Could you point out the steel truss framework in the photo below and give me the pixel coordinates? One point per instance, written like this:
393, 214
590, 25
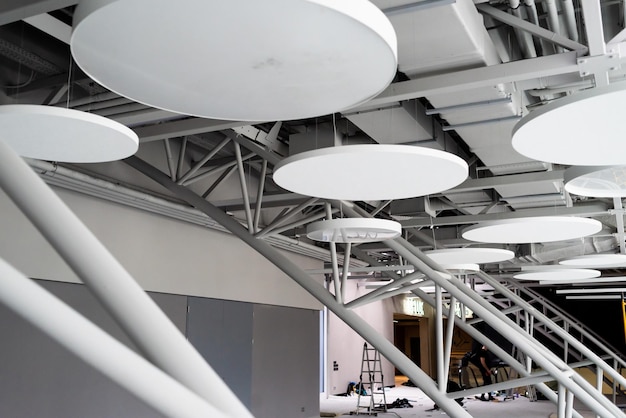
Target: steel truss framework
513, 310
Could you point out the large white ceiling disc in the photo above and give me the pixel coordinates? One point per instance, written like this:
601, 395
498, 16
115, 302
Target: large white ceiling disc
353, 230
596, 260
242, 60
586, 128
66, 135
370, 172
559, 274
469, 255
596, 181
533, 229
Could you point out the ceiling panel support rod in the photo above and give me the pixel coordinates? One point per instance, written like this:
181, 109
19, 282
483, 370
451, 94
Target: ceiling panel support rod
259, 197
333, 257
442, 377
555, 328
373, 337
138, 315
287, 216
449, 333
346, 270
203, 161
244, 189
592, 15
98, 349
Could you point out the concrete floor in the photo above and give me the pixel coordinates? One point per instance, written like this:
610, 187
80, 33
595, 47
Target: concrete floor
520, 407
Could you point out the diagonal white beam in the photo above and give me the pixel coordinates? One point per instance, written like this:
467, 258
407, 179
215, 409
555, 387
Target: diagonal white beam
97, 348
475, 78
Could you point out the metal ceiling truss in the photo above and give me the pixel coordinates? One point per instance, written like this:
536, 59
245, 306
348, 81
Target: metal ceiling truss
519, 332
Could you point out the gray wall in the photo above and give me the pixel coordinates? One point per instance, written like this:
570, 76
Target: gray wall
267, 354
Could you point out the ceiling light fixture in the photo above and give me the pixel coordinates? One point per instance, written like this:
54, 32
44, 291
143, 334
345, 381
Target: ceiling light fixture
596, 181
469, 255
562, 274
577, 129
353, 230
595, 260
240, 59
370, 172
64, 135
532, 229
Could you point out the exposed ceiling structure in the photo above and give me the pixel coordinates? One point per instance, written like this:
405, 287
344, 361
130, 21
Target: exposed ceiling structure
468, 71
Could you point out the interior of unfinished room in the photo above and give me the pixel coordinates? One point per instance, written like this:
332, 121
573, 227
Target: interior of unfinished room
303, 208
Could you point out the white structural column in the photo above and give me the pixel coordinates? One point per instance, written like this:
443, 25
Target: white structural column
98, 349
384, 346
441, 375
149, 328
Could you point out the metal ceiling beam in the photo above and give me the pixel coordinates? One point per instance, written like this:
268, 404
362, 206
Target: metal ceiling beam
580, 210
269, 201
14, 10
531, 28
476, 78
184, 127
471, 185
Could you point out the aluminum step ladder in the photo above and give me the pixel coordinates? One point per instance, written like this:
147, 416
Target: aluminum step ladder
371, 389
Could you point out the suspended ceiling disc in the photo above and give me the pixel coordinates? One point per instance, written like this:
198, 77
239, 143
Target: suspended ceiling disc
533, 229
586, 128
596, 181
469, 255
461, 268
353, 230
596, 260
239, 59
559, 274
370, 172
66, 135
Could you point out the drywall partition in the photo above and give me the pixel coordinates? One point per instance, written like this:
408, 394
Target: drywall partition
285, 376
222, 332
162, 254
40, 378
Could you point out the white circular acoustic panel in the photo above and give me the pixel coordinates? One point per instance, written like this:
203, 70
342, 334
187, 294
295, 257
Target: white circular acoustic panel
559, 274
461, 268
370, 172
469, 255
596, 260
242, 60
596, 181
586, 128
533, 229
353, 230
65, 135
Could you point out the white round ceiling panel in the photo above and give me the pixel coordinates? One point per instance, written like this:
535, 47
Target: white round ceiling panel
585, 128
533, 229
469, 255
596, 181
596, 260
65, 135
370, 172
239, 59
559, 274
353, 230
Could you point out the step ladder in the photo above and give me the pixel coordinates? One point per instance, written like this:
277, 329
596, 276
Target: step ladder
371, 381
